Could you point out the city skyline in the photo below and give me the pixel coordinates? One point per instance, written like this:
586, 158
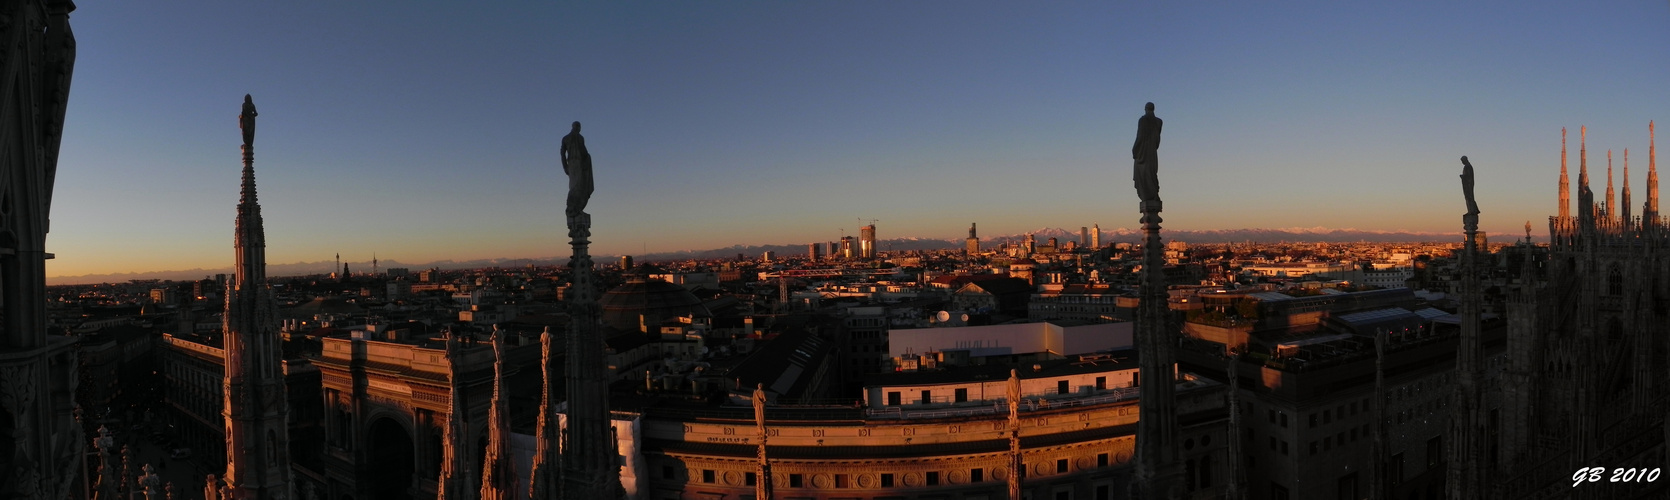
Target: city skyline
432, 135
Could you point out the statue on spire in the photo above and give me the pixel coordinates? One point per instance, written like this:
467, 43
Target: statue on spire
576, 162
1467, 186
246, 121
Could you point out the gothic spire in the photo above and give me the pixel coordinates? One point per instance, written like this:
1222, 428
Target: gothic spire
1651, 211
1624, 198
1565, 185
257, 433
454, 480
498, 472
544, 485
1611, 204
1585, 196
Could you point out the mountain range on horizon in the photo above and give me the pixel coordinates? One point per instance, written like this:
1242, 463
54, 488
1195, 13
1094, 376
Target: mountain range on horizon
1261, 235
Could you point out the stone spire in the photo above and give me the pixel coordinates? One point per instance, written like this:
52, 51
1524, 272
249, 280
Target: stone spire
547, 460
1159, 469
1464, 450
498, 469
1624, 197
1585, 196
151, 483
1565, 185
454, 483
1651, 211
1611, 204
589, 470
256, 409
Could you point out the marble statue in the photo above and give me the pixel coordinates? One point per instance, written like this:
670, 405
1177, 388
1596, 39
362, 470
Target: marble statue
1146, 156
576, 162
246, 121
1467, 186
1146, 171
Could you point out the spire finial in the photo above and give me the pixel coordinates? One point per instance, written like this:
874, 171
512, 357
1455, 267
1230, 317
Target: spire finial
1565, 184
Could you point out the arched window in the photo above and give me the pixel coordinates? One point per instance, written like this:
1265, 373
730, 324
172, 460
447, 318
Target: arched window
1615, 281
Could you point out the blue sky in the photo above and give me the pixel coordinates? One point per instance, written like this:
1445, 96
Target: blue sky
423, 131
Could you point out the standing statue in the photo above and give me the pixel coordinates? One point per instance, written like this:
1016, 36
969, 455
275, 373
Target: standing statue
1467, 186
576, 162
246, 121
1146, 171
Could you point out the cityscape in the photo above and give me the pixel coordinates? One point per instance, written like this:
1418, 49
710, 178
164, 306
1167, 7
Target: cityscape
802, 329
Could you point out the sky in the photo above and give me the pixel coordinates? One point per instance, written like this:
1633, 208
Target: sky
422, 131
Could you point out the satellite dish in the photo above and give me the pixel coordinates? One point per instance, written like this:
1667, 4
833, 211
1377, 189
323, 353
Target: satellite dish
942, 316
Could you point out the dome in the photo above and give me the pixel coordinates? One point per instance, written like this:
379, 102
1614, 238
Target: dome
654, 299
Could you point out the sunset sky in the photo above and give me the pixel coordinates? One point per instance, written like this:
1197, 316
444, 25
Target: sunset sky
423, 131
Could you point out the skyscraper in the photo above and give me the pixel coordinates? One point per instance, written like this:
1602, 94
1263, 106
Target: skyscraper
867, 242
973, 241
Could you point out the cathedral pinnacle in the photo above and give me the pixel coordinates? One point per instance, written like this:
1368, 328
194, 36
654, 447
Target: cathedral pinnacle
1565, 185
498, 472
1611, 204
1652, 176
1625, 196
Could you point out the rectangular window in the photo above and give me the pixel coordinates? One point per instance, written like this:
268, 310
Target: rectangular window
1063, 495
893, 399
1136, 379
1272, 415
1101, 383
707, 475
748, 478
1102, 493
927, 397
1101, 460
1061, 466
841, 481
887, 480
976, 475
1284, 420
1277, 492
1313, 420
667, 472
1325, 417
961, 395
933, 478
1394, 470
795, 481
1284, 447
1061, 387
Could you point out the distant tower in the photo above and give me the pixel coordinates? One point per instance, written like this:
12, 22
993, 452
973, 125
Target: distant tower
373, 263
1565, 185
1031, 244
1651, 212
256, 410
625, 262
1095, 236
973, 245
846, 247
1084, 236
336, 269
812, 252
867, 242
